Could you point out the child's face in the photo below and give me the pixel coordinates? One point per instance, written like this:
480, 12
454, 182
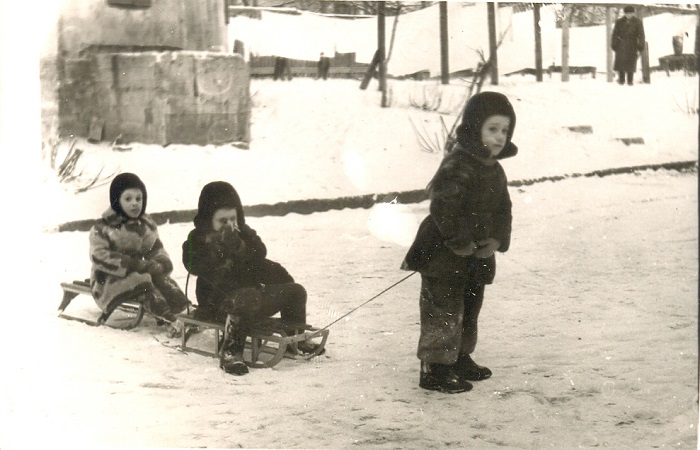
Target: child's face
225, 217
494, 133
131, 202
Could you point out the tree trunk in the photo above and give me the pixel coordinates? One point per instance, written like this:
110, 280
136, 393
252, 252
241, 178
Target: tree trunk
565, 43
381, 38
444, 45
608, 43
538, 43
493, 45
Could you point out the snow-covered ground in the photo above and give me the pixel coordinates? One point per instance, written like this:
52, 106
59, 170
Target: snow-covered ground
315, 139
590, 327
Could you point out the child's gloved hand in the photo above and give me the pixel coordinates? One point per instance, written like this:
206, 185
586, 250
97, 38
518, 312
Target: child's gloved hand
154, 268
486, 247
231, 237
149, 266
461, 249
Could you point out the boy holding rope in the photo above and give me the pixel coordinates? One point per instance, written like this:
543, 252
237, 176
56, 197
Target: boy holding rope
470, 218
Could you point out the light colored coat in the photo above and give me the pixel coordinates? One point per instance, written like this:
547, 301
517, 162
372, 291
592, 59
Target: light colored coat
116, 247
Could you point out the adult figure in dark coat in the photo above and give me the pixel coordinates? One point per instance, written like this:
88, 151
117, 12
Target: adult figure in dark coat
324, 65
627, 42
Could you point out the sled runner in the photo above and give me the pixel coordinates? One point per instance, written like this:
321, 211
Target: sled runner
267, 344
125, 316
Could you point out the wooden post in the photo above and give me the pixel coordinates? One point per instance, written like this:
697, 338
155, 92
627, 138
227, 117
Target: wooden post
444, 46
538, 43
493, 45
646, 71
381, 38
565, 44
608, 43
370, 71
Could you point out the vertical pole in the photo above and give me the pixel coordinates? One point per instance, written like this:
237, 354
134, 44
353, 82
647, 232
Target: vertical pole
538, 43
608, 43
381, 38
444, 45
565, 43
646, 71
493, 46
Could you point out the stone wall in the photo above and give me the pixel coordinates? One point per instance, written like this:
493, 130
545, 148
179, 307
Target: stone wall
157, 97
185, 25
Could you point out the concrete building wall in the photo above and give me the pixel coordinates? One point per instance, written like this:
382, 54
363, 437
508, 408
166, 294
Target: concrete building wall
152, 71
158, 97
173, 24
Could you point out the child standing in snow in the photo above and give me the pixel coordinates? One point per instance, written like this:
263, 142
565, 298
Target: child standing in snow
236, 284
128, 258
470, 218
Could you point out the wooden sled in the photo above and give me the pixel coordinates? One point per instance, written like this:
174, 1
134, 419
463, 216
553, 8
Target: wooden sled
125, 316
266, 345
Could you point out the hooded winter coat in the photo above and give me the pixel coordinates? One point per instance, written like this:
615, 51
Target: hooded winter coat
117, 247
469, 200
224, 263
627, 42
121, 249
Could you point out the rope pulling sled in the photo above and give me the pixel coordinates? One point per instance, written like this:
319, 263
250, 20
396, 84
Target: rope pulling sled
270, 340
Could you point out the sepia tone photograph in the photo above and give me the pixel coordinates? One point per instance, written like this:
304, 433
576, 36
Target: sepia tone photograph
350, 224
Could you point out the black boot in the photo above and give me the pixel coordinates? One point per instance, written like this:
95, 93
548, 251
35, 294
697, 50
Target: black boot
441, 377
466, 368
233, 363
231, 359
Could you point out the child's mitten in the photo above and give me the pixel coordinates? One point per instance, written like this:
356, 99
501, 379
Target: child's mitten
486, 248
154, 268
459, 247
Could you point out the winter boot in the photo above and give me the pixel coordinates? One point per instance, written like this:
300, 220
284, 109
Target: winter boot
309, 347
233, 363
440, 377
466, 368
231, 359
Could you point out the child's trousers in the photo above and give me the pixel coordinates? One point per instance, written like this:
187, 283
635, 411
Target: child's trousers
449, 310
251, 304
248, 305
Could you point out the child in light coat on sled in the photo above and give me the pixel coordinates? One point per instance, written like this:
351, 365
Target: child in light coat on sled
470, 218
236, 283
128, 258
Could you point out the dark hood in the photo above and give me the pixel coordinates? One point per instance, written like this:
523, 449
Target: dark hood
120, 183
478, 109
217, 195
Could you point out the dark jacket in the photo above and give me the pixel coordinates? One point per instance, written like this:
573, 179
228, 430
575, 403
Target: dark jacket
627, 41
469, 199
469, 202
225, 265
225, 262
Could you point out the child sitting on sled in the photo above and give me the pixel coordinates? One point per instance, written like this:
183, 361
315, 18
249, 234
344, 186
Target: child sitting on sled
236, 283
128, 258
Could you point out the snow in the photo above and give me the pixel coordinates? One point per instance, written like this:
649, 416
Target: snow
590, 327
340, 142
